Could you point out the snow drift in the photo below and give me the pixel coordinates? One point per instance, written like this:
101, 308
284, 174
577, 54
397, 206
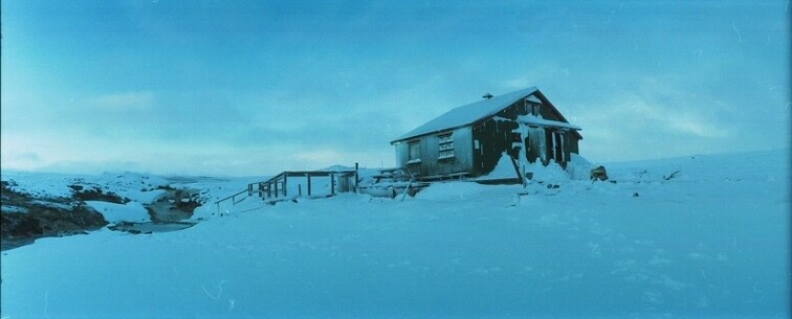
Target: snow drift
686, 237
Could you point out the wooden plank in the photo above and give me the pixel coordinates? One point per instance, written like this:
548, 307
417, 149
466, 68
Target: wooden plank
443, 177
309, 184
229, 197
517, 170
316, 173
356, 177
407, 189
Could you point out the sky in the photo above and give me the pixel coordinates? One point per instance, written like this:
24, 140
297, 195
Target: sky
248, 88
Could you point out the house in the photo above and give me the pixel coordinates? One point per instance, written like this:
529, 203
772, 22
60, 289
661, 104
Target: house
471, 140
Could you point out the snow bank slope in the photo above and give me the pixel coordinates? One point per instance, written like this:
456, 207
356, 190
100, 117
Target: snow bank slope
710, 241
116, 213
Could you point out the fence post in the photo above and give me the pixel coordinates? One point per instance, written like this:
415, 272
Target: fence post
356, 177
308, 176
332, 184
285, 176
250, 189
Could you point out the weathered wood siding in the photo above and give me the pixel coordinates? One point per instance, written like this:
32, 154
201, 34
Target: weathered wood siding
431, 164
573, 143
493, 137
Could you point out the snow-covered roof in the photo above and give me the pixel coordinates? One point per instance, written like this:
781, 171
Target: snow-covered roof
535, 120
468, 114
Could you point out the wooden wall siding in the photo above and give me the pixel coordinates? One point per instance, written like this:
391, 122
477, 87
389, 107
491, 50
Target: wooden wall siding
573, 144
402, 153
430, 164
548, 114
494, 138
514, 110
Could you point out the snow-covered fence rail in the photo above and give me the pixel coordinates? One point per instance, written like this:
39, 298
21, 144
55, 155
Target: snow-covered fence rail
235, 199
290, 184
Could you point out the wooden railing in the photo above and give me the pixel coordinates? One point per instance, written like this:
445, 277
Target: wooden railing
277, 187
233, 199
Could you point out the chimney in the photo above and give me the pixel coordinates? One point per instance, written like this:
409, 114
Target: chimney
487, 96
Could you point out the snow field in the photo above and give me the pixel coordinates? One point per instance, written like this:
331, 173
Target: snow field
711, 241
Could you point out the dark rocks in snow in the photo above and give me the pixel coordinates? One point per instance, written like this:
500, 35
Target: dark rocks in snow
599, 173
8, 183
96, 194
175, 205
672, 175
20, 227
28, 218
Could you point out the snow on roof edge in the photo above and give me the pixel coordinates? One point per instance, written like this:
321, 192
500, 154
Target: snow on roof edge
540, 121
467, 114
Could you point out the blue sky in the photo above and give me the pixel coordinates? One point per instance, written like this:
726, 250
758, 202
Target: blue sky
256, 87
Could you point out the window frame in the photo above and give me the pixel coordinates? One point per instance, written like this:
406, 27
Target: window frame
445, 146
413, 151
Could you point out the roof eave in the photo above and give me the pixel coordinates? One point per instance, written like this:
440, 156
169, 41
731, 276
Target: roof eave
401, 139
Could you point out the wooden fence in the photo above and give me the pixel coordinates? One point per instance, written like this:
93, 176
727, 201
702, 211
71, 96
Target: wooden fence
279, 186
289, 185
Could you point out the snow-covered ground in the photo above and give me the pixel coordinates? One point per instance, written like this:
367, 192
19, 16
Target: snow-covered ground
703, 236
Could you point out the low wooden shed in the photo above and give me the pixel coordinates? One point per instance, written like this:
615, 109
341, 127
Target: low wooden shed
470, 140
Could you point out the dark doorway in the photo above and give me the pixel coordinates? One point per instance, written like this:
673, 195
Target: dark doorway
548, 147
558, 148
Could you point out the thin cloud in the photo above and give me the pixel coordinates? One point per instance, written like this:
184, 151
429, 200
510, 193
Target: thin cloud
691, 124
636, 124
656, 117
124, 101
319, 156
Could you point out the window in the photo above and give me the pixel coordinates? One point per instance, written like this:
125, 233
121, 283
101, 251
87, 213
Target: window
414, 149
535, 109
445, 146
532, 105
525, 108
558, 144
